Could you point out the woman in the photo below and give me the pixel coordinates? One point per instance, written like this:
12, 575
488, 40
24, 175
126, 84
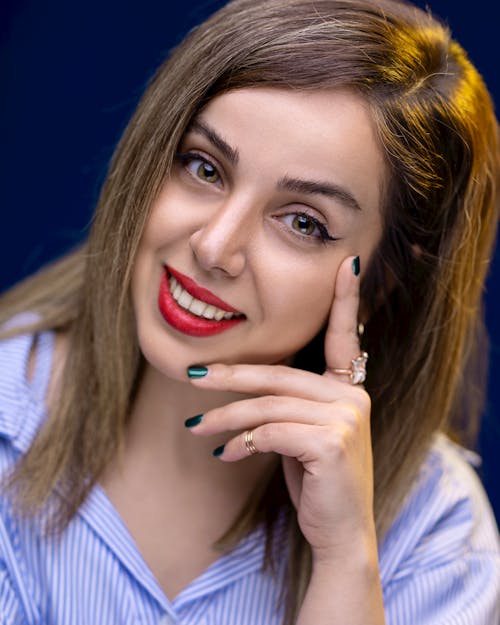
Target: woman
187, 432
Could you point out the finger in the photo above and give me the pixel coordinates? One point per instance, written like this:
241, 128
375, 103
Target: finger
306, 443
341, 340
271, 380
286, 439
251, 413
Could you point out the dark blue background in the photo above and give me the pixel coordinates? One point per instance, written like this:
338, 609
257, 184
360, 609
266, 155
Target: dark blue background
70, 76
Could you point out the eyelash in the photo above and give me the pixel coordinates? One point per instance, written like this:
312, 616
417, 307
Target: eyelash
324, 236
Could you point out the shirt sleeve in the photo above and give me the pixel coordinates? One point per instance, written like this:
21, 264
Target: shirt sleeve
459, 592
11, 612
442, 565
17, 602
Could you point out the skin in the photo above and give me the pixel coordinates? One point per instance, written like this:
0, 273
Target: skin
233, 231
234, 236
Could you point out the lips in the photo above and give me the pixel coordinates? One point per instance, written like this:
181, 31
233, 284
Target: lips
199, 292
204, 303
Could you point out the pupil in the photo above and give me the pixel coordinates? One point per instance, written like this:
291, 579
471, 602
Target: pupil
207, 171
304, 224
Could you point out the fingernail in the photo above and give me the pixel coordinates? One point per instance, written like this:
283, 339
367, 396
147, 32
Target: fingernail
218, 451
192, 421
356, 267
197, 371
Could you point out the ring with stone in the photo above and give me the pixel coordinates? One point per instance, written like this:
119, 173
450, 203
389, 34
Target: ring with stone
357, 370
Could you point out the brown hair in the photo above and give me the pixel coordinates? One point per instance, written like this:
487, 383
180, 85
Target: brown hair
423, 288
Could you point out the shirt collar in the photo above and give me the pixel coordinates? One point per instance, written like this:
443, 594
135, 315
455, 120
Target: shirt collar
246, 558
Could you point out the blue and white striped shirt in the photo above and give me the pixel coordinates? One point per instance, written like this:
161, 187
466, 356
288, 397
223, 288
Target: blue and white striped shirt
439, 563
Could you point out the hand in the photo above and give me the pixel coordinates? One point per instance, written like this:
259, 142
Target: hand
320, 424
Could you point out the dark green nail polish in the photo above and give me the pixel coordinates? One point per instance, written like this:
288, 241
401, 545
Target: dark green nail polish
197, 371
192, 421
218, 451
356, 267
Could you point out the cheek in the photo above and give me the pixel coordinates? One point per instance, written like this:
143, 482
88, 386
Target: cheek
157, 227
303, 303
168, 218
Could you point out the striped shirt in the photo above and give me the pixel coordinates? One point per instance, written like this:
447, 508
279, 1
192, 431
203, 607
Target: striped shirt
439, 562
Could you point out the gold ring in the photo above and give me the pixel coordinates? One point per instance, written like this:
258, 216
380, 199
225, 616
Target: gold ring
249, 444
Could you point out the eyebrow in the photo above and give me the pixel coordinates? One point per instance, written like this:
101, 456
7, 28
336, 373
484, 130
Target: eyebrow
297, 185
313, 187
202, 128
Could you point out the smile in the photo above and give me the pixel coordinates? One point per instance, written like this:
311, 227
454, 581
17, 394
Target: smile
192, 309
197, 306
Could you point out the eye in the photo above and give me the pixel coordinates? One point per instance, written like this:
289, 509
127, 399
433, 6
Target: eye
308, 226
304, 224
204, 170
200, 167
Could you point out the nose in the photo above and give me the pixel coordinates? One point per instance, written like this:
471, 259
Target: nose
221, 243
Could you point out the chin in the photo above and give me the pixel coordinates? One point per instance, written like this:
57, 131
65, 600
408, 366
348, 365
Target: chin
161, 354
171, 354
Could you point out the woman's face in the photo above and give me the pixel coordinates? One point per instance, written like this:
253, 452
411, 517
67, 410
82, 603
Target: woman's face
270, 191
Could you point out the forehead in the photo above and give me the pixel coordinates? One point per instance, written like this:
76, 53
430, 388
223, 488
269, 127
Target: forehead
327, 135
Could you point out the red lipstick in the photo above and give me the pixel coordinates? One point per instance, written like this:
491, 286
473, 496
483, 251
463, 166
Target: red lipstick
199, 292
182, 319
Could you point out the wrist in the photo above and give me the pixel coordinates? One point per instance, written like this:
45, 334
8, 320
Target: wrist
345, 586
356, 548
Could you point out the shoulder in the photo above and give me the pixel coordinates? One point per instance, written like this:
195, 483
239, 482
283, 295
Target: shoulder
27, 362
446, 514
26, 372
440, 560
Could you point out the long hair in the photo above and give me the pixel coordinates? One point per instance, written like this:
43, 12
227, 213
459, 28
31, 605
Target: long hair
437, 129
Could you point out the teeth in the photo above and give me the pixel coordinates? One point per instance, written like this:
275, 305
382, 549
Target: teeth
185, 300
196, 306
177, 291
209, 312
